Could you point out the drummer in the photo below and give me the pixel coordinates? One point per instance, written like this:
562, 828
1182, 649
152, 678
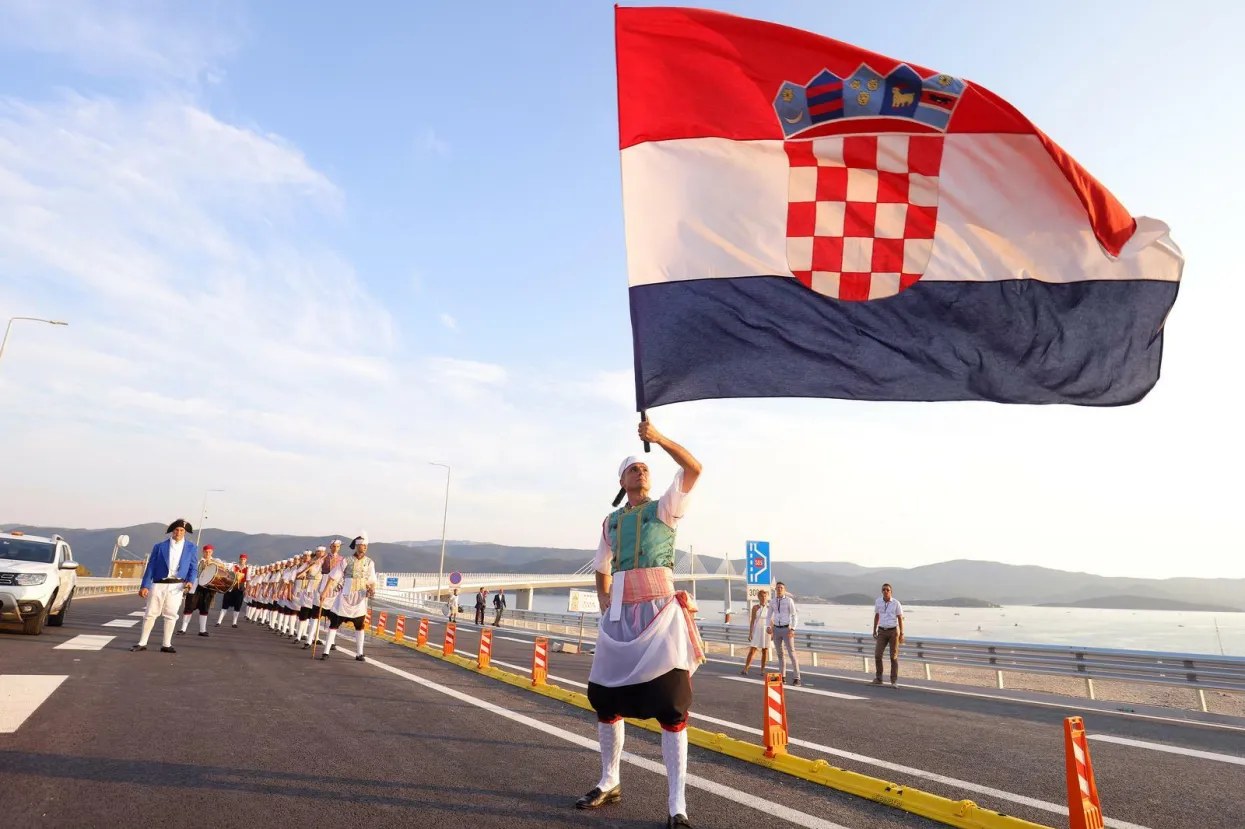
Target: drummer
236, 595
201, 598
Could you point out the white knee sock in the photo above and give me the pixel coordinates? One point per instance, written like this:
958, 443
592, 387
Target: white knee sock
328, 643
358, 643
221, 617
235, 616
611, 737
169, 625
185, 622
202, 623
302, 629
674, 752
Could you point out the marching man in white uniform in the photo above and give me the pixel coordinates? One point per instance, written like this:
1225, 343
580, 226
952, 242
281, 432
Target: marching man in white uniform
357, 577
306, 591
172, 570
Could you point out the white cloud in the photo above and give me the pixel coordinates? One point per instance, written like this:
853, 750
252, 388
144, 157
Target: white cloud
433, 143
449, 322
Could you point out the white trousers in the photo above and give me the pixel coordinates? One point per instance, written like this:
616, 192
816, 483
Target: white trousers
163, 600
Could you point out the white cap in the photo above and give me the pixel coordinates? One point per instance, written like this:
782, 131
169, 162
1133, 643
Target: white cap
631, 459
321, 549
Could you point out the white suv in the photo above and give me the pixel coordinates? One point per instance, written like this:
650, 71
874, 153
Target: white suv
37, 580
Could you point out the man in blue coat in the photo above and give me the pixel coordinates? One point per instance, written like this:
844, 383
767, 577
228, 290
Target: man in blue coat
172, 569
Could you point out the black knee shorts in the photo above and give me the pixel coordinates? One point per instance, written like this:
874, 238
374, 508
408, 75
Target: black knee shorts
666, 699
232, 600
336, 622
200, 600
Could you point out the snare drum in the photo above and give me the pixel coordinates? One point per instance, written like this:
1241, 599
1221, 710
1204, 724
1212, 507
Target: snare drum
217, 576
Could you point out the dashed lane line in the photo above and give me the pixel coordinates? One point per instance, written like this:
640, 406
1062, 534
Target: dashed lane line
84, 642
21, 695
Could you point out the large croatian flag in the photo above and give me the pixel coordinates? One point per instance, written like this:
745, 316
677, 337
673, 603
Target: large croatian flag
808, 219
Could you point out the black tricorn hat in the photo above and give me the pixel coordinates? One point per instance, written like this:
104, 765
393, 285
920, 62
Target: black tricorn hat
181, 522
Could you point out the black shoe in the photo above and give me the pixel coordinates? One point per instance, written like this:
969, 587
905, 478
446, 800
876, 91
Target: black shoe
677, 820
218, 624
597, 798
204, 633
181, 633
235, 624
877, 681
796, 681
169, 649
360, 658
139, 648
324, 655
306, 645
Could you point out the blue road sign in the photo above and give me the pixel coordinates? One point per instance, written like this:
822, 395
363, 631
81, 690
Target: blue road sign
391, 581
758, 562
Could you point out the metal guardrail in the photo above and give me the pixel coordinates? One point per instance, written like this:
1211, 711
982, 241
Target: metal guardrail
97, 586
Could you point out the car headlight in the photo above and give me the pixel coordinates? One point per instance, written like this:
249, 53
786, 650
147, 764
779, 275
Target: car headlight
30, 579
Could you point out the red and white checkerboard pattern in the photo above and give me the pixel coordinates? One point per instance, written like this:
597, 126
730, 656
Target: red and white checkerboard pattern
861, 212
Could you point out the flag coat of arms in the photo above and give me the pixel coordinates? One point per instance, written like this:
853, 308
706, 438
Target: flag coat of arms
805, 218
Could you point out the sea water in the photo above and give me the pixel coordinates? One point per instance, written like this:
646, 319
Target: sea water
1177, 631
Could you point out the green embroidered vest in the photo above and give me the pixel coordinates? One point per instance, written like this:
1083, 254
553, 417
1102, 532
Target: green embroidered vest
638, 538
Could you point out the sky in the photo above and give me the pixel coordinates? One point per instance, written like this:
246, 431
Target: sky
304, 251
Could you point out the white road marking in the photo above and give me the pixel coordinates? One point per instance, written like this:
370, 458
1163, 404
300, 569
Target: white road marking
1082, 705
84, 642
138, 613
21, 696
799, 688
1167, 749
765, 806
120, 623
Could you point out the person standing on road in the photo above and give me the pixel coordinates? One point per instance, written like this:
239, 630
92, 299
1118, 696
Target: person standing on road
648, 645
237, 594
201, 598
758, 635
172, 570
499, 605
781, 621
888, 632
357, 577
454, 605
480, 597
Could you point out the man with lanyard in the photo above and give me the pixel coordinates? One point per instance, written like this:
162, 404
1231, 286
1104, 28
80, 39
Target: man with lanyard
201, 598
635, 584
357, 577
781, 621
888, 631
235, 595
172, 570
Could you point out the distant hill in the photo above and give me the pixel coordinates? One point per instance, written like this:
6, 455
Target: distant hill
1142, 603
960, 581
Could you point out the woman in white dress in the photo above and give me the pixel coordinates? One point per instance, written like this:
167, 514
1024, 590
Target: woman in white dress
758, 637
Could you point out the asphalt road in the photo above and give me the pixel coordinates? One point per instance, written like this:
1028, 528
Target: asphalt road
1002, 750
241, 729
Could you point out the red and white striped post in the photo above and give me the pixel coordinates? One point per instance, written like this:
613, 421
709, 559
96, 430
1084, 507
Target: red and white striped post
486, 648
399, 630
451, 631
421, 638
540, 661
367, 619
1084, 809
775, 725
380, 625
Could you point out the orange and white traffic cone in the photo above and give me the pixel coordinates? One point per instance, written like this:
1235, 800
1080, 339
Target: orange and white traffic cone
775, 725
380, 625
486, 648
399, 630
367, 619
1084, 810
540, 661
451, 631
421, 638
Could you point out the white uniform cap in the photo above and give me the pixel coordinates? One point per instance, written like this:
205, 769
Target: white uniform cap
632, 459
321, 549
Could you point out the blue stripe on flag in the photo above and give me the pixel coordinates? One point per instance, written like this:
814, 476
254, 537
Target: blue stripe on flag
1014, 341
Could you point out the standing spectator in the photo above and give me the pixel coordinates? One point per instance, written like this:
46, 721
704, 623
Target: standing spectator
781, 622
480, 605
758, 637
454, 605
887, 630
499, 605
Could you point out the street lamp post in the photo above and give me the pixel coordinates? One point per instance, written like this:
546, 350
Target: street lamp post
12, 320
444, 516
203, 515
